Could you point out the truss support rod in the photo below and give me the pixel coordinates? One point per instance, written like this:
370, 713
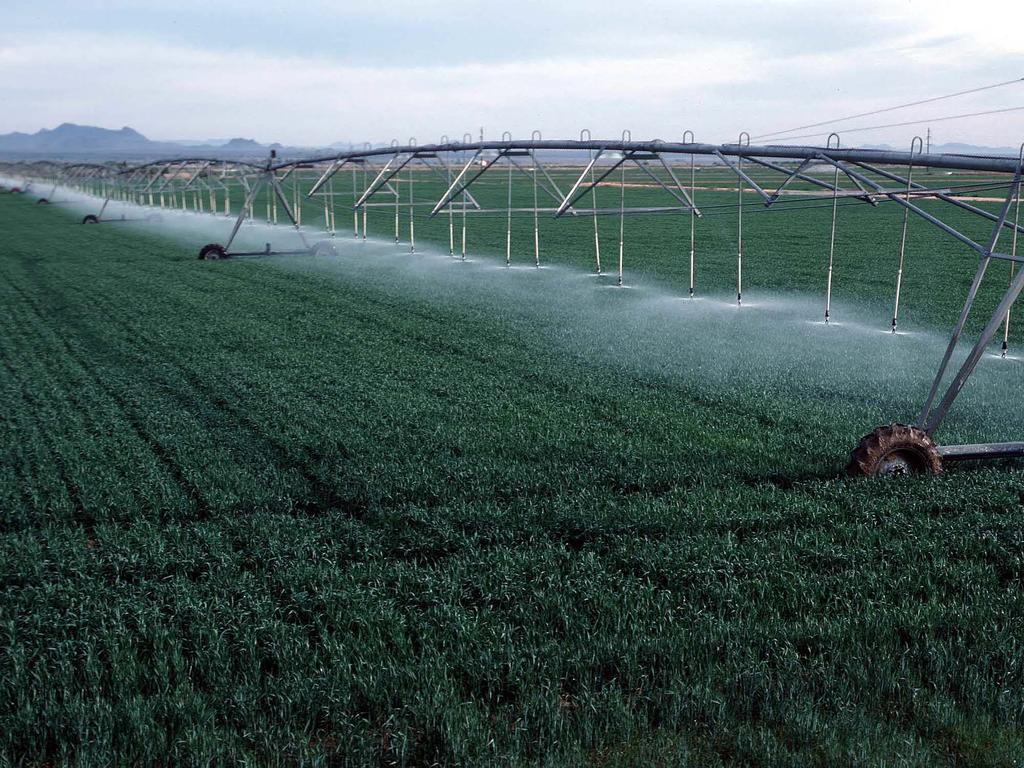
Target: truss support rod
446, 177
195, 175
454, 188
895, 197
735, 167
554, 193
575, 193
682, 198
383, 178
287, 209
929, 421
679, 186
936, 417
1013, 252
939, 195
246, 206
799, 174
592, 186
326, 176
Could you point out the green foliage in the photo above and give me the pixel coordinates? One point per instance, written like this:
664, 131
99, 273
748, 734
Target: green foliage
256, 513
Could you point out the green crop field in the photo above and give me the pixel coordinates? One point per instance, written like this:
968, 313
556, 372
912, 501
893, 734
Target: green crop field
386, 508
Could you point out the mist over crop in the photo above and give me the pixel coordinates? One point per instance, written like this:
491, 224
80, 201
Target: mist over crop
774, 350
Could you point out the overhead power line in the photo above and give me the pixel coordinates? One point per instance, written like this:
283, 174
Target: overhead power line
908, 122
891, 109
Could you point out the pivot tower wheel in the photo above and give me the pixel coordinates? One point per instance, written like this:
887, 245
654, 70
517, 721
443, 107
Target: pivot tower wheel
213, 251
894, 450
90, 219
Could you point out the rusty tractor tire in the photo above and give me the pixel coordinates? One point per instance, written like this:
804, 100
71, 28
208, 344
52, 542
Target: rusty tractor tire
212, 252
90, 219
15, 190
42, 201
894, 450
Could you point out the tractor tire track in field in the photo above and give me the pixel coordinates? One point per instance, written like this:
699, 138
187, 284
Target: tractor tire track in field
23, 468
159, 451
547, 387
325, 496
558, 386
56, 456
72, 395
492, 361
37, 406
504, 366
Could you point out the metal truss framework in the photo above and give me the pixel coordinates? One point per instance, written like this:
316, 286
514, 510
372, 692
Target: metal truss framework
381, 175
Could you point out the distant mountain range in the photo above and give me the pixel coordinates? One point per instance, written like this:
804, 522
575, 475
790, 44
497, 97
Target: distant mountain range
70, 140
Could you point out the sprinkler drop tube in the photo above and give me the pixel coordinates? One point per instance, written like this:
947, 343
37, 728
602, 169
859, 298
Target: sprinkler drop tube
622, 218
536, 229
693, 204
508, 226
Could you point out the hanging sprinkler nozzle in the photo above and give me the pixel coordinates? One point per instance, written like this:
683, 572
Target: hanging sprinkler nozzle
1005, 348
894, 325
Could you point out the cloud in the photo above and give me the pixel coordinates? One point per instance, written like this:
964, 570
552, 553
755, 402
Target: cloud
353, 71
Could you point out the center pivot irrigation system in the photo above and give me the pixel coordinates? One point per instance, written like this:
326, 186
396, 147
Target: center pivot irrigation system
870, 176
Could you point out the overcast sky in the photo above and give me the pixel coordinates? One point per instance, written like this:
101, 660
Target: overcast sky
312, 72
